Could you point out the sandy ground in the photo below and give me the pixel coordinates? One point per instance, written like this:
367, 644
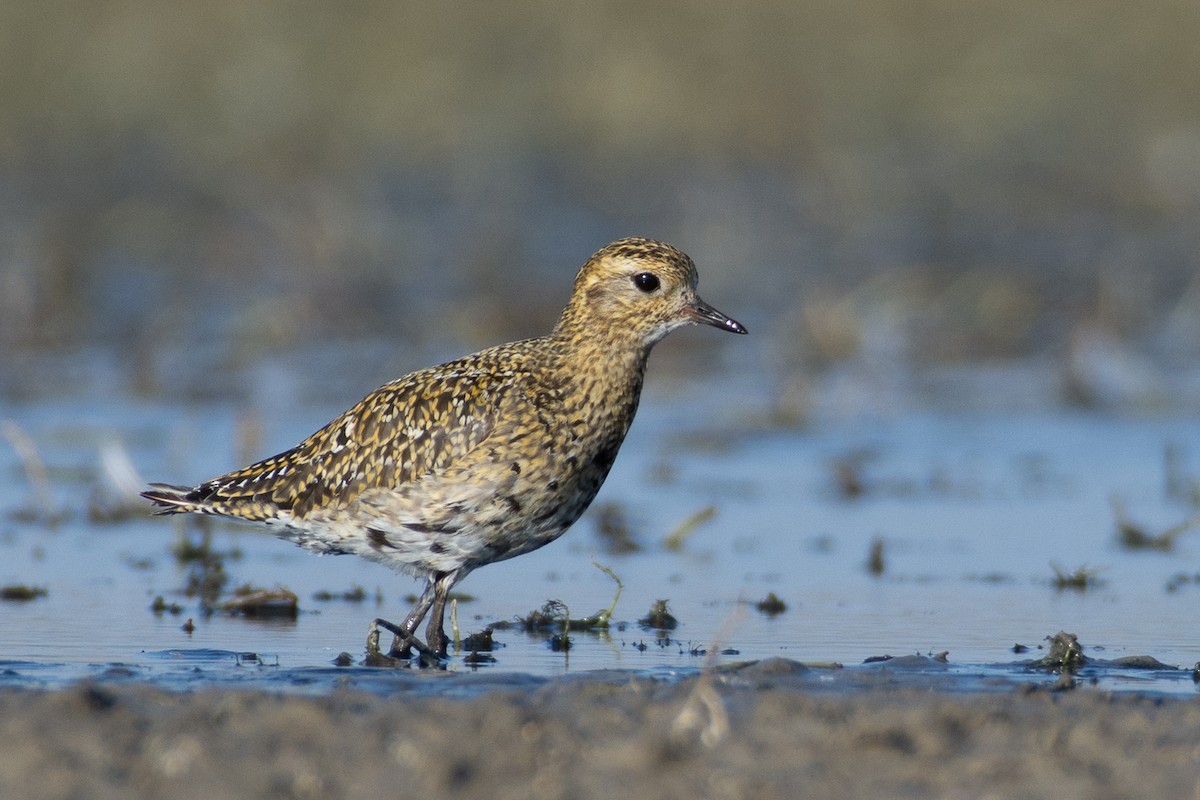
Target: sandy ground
753, 734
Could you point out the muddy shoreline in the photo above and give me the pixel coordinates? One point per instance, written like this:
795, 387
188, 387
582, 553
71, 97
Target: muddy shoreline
756, 731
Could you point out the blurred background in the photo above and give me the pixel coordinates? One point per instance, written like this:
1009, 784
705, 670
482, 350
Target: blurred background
965, 238
989, 204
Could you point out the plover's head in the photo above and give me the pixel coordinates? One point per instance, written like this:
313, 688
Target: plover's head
644, 288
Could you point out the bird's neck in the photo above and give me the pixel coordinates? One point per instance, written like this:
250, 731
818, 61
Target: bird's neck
600, 359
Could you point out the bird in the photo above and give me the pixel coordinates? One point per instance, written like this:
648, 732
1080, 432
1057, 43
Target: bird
478, 460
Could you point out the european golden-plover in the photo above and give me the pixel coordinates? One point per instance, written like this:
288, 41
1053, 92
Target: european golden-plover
480, 459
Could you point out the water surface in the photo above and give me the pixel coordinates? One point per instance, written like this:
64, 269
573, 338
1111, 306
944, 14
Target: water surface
972, 509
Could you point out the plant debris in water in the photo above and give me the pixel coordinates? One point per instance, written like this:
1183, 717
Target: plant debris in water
848, 477
480, 642
698, 650
659, 617
250, 601
206, 577
161, 606
875, 563
544, 618
21, 593
687, 527
357, 594
556, 618
1079, 580
478, 657
1065, 653
771, 605
187, 550
601, 619
551, 615
1135, 537
612, 524
206, 580
1181, 579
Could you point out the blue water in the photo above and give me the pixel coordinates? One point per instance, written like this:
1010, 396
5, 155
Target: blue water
972, 508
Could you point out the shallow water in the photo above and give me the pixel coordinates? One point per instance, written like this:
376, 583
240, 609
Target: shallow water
972, 508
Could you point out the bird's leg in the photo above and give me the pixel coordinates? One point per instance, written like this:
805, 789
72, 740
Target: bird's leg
403, 639
402, 642
433, 598
442, 583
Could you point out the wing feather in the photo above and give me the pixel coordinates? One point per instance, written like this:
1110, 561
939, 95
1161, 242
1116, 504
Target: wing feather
418, 425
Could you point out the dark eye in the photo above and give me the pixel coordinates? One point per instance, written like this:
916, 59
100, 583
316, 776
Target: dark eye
646, 281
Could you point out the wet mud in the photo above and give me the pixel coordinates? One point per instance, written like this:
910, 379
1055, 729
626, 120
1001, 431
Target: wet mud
763, 730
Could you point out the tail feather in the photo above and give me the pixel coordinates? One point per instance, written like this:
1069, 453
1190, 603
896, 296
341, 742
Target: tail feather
170, 499
206, 499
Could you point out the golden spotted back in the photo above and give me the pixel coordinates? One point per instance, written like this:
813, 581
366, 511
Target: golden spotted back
416, 425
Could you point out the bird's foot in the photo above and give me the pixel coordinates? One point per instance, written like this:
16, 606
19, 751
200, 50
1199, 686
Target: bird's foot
400, 653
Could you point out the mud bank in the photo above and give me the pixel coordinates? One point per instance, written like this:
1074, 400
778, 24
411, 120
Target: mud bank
754, 732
